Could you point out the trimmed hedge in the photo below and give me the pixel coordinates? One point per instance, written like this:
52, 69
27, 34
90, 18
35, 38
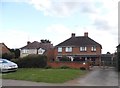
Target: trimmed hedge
32, 61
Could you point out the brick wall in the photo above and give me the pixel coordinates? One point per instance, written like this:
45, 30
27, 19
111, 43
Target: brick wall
76, 50
69, 64
4, 49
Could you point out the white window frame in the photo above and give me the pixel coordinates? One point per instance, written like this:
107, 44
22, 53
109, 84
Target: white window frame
68, 49
59, 49
93, 48
25, 50
83, 48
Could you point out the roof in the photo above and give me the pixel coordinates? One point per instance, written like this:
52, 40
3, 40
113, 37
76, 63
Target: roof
118, 46
37, 45
4, 48
79, 41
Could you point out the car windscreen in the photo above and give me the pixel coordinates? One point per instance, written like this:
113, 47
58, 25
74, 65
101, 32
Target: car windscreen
3, 61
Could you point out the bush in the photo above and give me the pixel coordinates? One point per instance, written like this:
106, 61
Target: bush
32, 61
8, 56
64, 67
65, 59
82, 68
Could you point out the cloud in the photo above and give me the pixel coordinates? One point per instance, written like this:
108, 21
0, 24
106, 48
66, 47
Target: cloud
13, 38
61, 8
59, 32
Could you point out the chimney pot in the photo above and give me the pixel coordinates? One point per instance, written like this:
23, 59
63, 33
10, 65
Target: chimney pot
73, 35
86, 34
28, 42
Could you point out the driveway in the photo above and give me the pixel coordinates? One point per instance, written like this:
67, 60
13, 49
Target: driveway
96, 77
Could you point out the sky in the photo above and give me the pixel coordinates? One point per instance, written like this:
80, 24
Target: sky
55, 20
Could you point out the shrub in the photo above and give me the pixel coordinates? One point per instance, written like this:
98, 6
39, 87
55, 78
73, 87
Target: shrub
65, 59
82, 68
32, 61
64, 67
8, 56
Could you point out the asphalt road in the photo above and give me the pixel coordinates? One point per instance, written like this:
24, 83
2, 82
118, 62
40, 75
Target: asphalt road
97, 77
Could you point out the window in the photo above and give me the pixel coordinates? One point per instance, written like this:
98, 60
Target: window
93, 48
59, 49
83, 48
25, 51
68, 49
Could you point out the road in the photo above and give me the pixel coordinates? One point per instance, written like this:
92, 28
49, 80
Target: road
96, 77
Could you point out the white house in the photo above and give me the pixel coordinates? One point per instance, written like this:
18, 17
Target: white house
35, 48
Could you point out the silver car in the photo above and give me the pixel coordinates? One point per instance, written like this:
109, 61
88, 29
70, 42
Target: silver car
7, 66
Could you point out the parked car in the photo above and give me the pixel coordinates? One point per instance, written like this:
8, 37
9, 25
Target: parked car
7, 66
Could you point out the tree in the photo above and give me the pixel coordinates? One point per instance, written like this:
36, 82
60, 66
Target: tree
108, 53
8, 56
16, 52
45, 41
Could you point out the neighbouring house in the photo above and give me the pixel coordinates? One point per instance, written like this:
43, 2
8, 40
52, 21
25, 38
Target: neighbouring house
4, 49
107, 59
42, 48
118, 57
79, 48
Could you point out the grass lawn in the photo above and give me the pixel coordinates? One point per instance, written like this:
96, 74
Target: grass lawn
44, 75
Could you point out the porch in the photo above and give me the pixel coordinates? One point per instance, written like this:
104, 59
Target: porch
91, 59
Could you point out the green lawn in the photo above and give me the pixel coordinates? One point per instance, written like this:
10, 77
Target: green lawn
44, 75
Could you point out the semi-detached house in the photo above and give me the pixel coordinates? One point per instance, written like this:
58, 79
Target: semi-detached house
41, 48
79, 48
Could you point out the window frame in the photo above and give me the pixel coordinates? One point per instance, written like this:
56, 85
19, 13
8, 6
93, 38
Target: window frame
59, 49
68, 49
93, 48
83, 49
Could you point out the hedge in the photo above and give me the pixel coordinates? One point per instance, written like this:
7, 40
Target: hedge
32, 61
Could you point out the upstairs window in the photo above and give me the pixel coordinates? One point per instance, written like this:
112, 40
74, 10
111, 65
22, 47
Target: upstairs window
83, 48
68, 49
93, 48
59, 49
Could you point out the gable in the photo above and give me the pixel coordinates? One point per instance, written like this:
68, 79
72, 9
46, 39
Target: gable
41, 51
4, 48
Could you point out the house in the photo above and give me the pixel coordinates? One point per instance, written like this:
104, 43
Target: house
118, 58
107, 59
79, 48
4, 49
42, 48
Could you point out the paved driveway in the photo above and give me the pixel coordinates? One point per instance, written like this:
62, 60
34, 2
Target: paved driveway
97, 77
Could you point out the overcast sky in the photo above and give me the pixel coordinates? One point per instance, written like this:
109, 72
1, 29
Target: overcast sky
33, 20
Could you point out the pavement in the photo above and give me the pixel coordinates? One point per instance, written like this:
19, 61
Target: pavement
96, 77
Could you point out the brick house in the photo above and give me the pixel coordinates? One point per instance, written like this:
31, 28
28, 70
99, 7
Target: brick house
41, 48
79, 48
4, 49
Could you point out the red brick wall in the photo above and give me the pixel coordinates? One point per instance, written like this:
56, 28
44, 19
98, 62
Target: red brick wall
76, 50
50, 54
69, 64
4, 49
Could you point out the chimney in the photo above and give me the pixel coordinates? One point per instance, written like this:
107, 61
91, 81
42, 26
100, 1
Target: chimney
28, 42
73, 35
86, 34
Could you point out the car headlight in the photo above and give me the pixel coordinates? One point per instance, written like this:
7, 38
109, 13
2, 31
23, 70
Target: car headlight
5, 67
